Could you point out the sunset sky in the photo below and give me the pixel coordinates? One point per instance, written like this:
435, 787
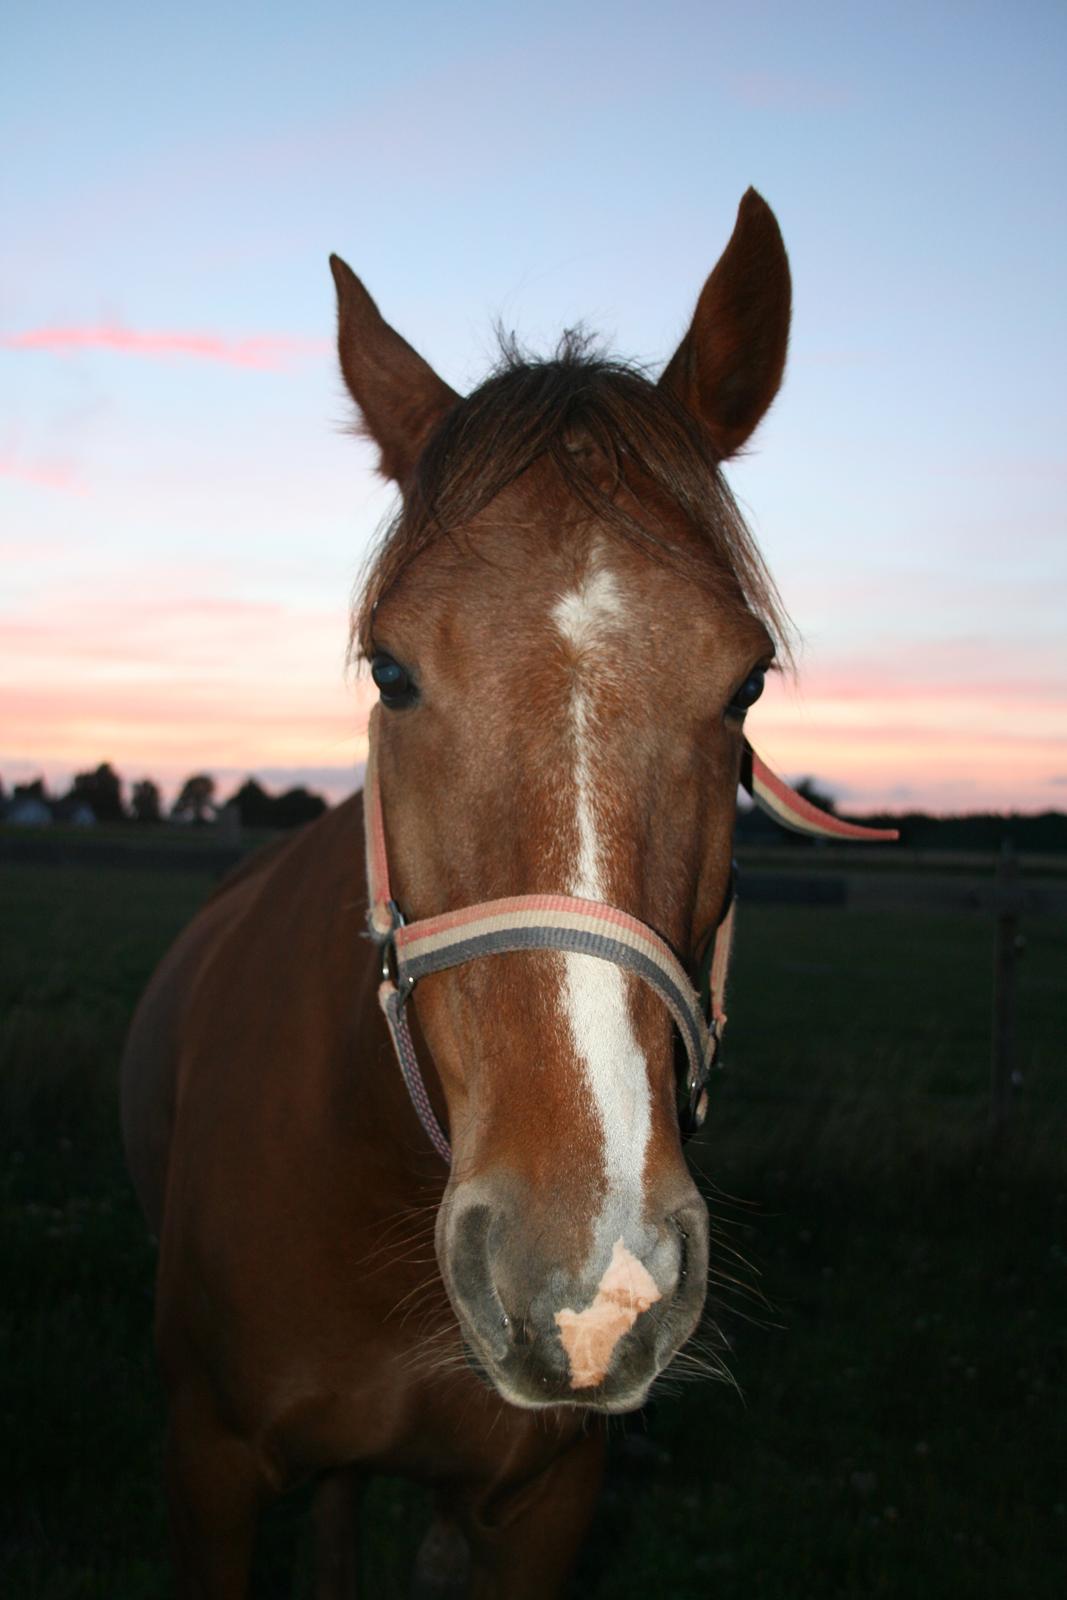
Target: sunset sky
182, 515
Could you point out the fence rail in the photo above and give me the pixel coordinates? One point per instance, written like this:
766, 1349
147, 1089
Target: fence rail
1005, 895
909, 891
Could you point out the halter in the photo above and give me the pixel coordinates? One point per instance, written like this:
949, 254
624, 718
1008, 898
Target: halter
412, 950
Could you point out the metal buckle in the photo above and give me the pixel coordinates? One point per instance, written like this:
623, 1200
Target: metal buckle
390, 964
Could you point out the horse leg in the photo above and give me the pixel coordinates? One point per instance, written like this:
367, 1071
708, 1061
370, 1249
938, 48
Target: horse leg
215, 1486
442, 1566
336, 1517
523, 1545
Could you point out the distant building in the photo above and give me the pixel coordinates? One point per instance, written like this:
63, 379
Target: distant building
73, 811
26, 811
80, 816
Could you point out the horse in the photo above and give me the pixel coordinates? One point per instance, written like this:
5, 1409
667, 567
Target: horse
457, 1270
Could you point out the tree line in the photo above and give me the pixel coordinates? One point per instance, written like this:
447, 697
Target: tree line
101, 792
100, 795
1043, 832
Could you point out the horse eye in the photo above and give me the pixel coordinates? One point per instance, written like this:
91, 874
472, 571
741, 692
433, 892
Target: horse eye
393, 682
749, 692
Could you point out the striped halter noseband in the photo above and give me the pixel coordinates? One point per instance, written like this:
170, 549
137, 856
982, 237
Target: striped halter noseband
412, 950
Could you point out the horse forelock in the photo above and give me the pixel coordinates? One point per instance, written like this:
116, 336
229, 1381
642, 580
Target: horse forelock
602, 425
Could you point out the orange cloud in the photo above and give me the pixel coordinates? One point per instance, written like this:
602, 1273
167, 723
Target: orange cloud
879, 742
264, 352
160, 681
162, 678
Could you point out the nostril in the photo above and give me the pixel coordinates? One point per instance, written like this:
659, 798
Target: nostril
472, 1285
683, 1250
689, 1243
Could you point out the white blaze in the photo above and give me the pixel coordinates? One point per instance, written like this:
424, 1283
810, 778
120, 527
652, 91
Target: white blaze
595, 991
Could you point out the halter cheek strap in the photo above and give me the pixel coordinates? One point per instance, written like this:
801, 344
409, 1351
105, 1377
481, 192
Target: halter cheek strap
413, 950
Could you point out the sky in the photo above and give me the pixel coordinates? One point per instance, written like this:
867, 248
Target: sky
183, 513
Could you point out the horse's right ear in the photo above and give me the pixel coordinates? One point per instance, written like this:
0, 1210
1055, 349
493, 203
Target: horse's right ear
400, 397
729, 366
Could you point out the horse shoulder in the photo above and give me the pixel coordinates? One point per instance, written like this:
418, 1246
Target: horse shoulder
242, 938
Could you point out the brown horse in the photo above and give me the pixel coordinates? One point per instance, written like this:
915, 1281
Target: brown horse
566, 621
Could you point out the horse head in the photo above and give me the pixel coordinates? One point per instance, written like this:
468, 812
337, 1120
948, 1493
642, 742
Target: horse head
567, 621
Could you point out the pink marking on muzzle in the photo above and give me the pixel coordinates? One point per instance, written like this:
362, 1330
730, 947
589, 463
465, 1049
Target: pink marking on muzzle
589, 1337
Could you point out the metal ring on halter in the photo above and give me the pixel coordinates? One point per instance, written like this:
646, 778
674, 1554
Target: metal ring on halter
387, 944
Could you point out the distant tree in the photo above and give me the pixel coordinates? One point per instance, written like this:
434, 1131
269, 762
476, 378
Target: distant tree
34, 790
145, 801
196, 799
297, 806
101, 791
254, 805
258, 809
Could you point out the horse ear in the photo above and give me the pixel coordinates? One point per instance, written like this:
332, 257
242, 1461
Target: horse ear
728, 367
400, 397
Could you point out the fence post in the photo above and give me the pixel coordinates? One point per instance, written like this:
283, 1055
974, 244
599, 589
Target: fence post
1007, 946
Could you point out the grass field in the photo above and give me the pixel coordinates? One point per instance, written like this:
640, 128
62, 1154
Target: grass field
899, 1339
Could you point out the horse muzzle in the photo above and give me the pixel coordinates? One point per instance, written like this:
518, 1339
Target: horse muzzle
597, 1338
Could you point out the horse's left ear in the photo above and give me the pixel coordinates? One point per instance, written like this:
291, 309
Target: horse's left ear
399, 395
729, 366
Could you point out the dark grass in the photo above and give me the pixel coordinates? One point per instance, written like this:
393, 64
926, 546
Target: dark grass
897, 1426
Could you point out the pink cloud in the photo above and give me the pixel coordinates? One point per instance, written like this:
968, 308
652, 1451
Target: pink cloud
955, 725
45, 474
157, 677
178, 724
265, 352
144, 623
157, 680
1025, 690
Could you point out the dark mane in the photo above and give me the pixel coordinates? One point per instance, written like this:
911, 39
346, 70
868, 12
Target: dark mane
531, 409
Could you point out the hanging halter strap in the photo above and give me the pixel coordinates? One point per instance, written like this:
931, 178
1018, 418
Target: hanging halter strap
412, 950
774, 796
